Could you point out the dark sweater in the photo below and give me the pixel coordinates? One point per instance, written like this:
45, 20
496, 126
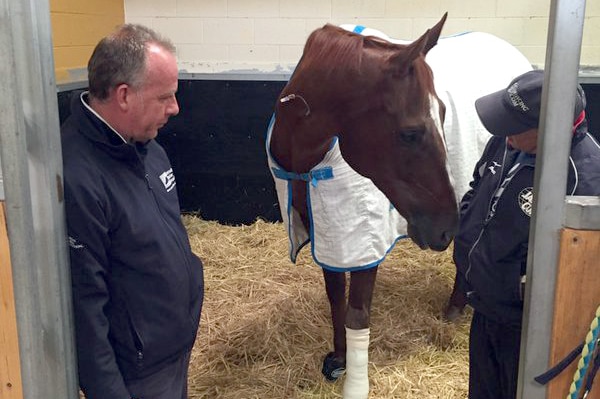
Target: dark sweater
490, 249
137, 287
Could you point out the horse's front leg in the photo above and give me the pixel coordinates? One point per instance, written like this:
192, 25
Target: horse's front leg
334, 364
458, 299
358, 317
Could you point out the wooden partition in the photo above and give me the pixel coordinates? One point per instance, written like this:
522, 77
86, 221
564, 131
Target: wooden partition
576, 301
77, 25
10, 367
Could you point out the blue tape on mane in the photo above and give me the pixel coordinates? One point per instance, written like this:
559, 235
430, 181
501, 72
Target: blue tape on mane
358, 29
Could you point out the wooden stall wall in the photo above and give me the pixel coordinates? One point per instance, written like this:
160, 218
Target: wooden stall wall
10, 366
576, 301
77, 25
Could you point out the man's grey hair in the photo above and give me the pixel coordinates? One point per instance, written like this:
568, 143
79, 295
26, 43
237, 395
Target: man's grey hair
121, 58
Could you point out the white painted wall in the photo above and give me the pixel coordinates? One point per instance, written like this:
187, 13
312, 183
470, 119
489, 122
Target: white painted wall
268, 35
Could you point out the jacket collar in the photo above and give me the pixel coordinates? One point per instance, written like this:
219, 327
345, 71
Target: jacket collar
83, 97
97, 130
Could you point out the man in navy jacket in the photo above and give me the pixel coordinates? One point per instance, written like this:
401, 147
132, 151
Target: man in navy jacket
490, 249
137, 287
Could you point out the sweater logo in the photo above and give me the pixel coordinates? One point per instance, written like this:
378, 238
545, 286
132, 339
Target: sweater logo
526, 200
493, 167
73, 243
168, 179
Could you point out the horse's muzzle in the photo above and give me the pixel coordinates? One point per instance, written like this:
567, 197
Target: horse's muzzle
435, 233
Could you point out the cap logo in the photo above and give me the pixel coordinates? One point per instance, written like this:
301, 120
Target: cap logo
515, 98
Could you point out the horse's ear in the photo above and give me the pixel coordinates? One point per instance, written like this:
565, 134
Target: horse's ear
403, 59
433, 34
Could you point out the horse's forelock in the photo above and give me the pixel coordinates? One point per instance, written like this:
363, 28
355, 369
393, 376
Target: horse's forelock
409, 94
424, 76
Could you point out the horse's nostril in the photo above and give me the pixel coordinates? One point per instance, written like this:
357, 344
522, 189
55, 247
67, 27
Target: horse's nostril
447, 236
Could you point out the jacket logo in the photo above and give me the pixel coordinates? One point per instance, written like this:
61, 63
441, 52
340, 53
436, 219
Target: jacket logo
168, 179
493, 167
526, 200
73, 243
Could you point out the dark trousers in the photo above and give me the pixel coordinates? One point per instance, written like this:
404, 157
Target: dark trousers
493, 359
169, 382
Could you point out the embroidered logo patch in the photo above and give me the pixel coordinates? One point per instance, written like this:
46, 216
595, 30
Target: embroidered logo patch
526, 200
73, 243
168, 179
493, 167
516, 100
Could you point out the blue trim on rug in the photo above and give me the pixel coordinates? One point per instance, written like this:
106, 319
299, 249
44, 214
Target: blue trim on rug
356, 268
358, 29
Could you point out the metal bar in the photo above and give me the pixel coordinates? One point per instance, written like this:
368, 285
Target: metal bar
582, 213
1, 179
590, 75
237, 75
30, 153
565, 33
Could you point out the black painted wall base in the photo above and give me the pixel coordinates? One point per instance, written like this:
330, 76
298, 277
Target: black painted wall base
217, 147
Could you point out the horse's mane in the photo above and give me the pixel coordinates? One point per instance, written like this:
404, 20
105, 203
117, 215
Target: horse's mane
334, 58
332, 47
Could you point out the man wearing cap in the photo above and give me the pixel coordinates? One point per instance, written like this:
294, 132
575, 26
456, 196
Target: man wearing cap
490, 249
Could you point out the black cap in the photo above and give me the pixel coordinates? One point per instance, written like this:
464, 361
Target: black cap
517, 108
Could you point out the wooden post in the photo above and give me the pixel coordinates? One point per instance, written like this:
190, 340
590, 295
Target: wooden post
577, 298
10, 366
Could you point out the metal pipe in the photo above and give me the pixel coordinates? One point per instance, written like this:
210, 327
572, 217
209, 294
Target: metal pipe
30, 155
565, 32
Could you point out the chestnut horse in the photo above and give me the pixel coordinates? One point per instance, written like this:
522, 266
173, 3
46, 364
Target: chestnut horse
355, 142
466, 66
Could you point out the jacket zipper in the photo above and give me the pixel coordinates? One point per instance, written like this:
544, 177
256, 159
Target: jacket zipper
487, 216
171, 230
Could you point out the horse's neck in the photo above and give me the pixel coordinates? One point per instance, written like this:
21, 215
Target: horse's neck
298, 143
316, 105
306, 122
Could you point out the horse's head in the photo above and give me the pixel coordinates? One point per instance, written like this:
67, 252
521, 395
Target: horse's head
391, 132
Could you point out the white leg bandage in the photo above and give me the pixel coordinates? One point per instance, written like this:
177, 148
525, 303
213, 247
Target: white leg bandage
356, 385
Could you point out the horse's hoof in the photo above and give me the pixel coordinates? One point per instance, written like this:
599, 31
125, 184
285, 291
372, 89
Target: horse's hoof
453, 312
332, 368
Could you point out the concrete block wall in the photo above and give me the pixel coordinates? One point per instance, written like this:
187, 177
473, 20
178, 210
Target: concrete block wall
268, 35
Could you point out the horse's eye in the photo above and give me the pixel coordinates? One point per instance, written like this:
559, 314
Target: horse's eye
410, 136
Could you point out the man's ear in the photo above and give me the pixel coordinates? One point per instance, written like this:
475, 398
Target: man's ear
123, 95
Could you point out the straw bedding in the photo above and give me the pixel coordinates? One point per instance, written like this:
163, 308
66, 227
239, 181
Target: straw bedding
265, 324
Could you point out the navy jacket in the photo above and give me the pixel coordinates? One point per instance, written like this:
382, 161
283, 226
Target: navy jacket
490, 249
137, 287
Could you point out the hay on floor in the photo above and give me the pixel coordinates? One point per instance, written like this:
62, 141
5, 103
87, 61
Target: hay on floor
265, 324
